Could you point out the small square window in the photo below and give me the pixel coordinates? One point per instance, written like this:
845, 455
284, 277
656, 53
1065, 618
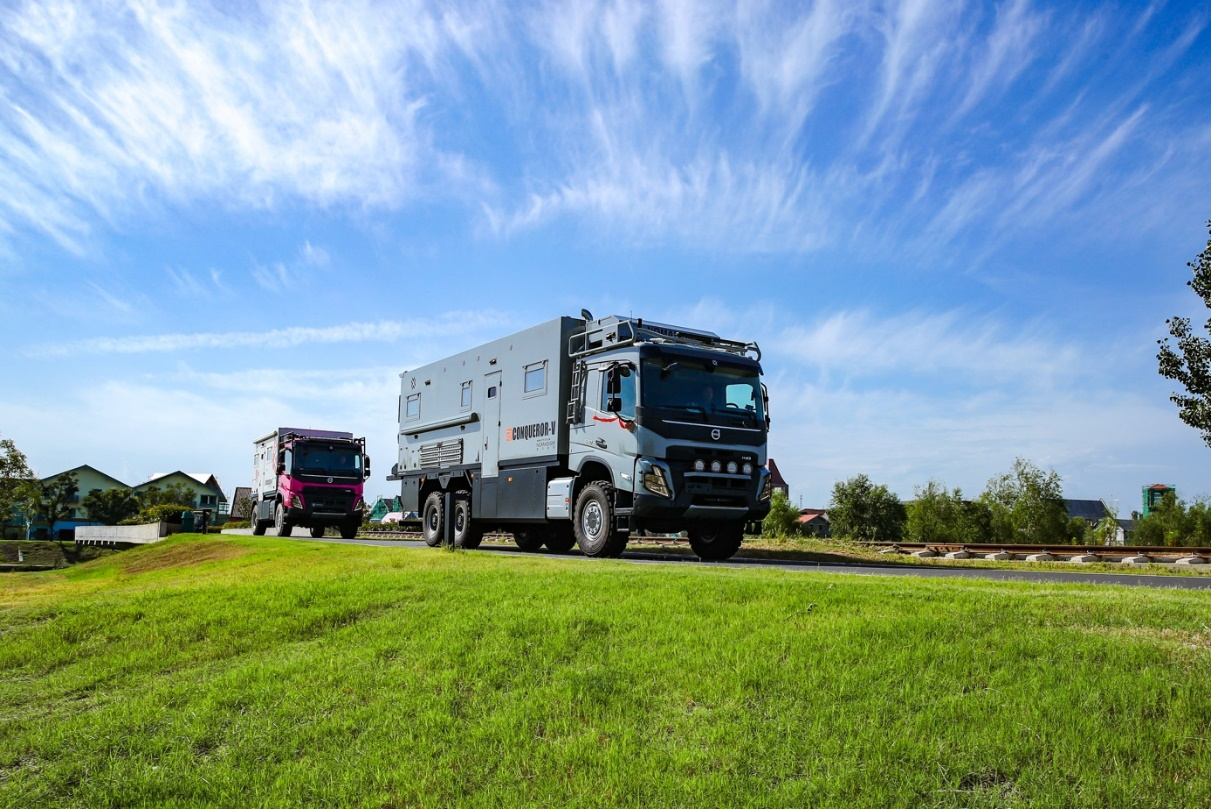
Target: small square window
492, 392
535, 379
413, 407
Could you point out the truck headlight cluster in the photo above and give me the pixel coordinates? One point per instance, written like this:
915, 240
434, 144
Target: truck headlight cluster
654, 482
296, 501
767, 487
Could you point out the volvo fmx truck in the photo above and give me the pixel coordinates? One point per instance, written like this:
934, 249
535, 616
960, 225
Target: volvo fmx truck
585, 432
308, 479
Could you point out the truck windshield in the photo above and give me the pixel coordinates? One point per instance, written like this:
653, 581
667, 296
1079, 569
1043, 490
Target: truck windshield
698, 387
328, 461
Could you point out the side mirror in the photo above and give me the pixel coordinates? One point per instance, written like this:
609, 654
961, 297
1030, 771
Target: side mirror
614, 404
613, 382
281, 467
366, 466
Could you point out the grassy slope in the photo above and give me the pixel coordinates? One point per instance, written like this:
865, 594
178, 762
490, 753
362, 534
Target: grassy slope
242, 670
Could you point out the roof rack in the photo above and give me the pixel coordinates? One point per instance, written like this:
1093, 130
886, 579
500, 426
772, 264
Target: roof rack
615, 332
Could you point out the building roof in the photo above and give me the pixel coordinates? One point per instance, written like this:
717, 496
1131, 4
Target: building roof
209, 481
776, 479
1093, 510
241, 491
91, 469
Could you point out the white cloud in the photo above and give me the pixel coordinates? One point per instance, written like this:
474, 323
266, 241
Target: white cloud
388, 331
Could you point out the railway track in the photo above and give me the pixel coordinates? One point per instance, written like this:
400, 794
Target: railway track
1080, 554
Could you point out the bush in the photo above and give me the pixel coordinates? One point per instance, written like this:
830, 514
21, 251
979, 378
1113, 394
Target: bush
167, 512
783, 518
237, 524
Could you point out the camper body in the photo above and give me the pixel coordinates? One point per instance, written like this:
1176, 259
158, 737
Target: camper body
584, 432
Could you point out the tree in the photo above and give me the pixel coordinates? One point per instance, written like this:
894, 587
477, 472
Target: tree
944, 517
1190, 362
110, 506
50, 500
1166, 523
783, 517
1026, 505
173, 493
15, 476
865, 511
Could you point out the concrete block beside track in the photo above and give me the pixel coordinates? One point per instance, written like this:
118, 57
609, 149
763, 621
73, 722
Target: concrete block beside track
1138, 559
1192, 560
1085, 558
1040, 557
1001, 556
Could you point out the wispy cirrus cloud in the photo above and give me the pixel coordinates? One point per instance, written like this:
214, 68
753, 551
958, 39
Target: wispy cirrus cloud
383, 331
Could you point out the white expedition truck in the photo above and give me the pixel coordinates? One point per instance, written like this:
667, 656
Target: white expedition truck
582, 431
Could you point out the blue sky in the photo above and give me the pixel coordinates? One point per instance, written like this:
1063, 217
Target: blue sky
955, 228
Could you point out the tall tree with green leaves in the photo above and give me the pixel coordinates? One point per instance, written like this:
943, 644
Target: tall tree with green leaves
173, 493
783, 518
15, 476
942, 516
1026, 506
110, 506
866, 511
49, 500
1189, 361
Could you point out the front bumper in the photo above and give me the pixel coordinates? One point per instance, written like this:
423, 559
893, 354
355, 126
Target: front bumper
700, 495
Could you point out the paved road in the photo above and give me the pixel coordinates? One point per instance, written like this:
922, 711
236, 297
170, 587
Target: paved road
1042, 576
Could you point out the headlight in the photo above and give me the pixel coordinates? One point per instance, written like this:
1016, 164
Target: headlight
655, 483
716, 466
699, 465
731, 467
767, 487
748, 469
296, 501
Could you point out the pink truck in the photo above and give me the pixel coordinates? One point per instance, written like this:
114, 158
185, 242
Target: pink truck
308, 478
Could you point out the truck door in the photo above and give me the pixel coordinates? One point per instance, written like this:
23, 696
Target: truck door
491, 419
611, 435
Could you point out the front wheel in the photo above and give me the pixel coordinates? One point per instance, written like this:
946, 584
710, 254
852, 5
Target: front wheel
317, 531
716, 540
432, 518
280, 524
349, 530
594, 523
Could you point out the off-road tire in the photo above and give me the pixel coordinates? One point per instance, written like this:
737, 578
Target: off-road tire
561, 538
280, 523
530, 538
258, 527
349, 530
714, 541
317, 531
594, 522
468, 533
433, 519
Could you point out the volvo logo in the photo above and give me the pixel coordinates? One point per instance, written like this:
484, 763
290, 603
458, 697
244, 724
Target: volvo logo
329, 480
715, 435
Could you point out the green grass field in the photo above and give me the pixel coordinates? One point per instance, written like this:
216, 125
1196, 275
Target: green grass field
245, 671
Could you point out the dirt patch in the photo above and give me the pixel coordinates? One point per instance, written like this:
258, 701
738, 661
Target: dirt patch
185, 554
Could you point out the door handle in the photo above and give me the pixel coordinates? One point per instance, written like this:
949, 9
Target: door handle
601, 443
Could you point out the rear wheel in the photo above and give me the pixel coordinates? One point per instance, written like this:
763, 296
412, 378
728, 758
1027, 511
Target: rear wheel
562, 538
594, 523
432, 518
467, 533
530, 537
716, 540
258, 527
317, 531
280, 524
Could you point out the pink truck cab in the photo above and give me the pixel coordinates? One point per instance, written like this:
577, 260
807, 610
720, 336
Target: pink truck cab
308, 478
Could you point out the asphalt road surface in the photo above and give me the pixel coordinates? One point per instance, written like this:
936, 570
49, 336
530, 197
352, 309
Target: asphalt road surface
1047, 575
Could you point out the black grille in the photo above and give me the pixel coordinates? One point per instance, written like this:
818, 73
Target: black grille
328, 500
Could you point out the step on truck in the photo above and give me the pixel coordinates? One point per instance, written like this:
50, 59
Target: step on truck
586, 432
310, 479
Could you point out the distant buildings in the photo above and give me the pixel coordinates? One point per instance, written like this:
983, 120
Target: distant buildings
205, 495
